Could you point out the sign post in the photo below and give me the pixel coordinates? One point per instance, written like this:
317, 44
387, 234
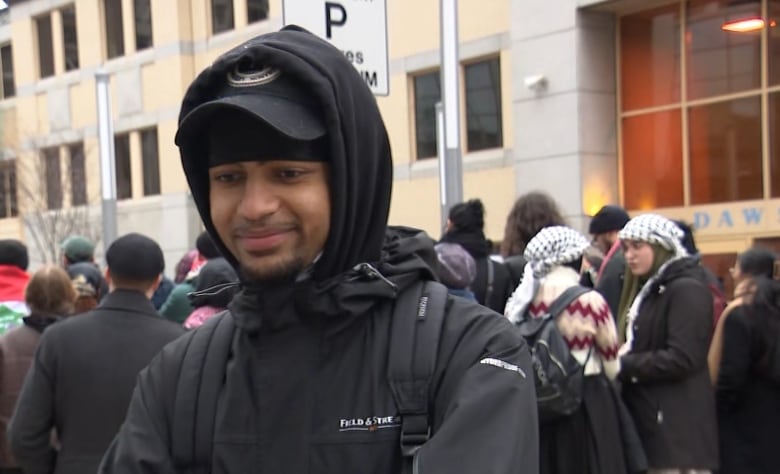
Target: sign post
357, 27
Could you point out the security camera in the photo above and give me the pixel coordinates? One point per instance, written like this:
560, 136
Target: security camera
536, 83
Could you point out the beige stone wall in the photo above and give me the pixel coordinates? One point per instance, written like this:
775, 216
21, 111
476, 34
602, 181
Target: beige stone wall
184, 45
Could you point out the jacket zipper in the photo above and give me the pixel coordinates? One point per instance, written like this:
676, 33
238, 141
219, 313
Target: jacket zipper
368, 270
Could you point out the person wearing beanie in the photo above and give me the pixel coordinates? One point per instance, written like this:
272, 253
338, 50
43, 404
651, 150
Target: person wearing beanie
492, 284
78, 259
456, 269
178, 305
85, 368
666, 322
13, 280
289, 165
604, 228
591, 437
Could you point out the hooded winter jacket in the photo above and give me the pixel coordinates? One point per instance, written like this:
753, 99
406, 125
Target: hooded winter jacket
305, 388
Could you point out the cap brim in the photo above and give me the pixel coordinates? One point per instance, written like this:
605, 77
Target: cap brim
289, 118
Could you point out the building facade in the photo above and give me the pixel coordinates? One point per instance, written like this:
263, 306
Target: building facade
152, 49
652, 104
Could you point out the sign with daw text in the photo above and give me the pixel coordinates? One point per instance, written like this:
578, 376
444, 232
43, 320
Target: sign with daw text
357, 27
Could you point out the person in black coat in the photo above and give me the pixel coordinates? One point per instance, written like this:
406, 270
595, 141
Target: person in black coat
748, 387
666, 311
85, 367
604, 227
491, 286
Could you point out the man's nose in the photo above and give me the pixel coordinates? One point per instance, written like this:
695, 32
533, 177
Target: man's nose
259, 200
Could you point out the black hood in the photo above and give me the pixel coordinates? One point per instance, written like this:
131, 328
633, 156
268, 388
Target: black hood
213, 287
685, 267
359, 160
407, 256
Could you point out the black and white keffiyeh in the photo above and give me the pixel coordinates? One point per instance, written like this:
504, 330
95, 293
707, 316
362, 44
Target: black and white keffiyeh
550, 247
655, 229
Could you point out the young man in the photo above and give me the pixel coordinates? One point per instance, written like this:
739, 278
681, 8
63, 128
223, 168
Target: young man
85, 367
289, 164
604, 227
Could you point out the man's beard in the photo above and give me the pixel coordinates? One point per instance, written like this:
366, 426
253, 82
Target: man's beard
279, 273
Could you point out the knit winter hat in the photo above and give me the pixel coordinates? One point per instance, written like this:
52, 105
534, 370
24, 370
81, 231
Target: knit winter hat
457, 267
655, 229
608, 218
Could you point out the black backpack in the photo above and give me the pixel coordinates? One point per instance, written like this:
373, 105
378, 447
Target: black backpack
558, 376
414, 343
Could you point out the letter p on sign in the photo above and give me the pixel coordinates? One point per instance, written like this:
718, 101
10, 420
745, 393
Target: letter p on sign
330, 20
356, 27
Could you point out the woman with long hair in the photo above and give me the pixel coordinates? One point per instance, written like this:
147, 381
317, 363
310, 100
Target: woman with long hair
531, 212
748, 386
751, 264
666, 317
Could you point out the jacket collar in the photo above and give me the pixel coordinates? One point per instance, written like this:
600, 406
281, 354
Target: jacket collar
129, 301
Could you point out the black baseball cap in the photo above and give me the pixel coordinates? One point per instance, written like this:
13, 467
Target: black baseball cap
263, 92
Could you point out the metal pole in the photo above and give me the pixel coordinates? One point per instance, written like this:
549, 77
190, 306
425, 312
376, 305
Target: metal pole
450, 87
107, 166
440, 149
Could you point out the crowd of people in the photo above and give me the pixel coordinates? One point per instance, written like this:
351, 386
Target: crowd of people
303, 334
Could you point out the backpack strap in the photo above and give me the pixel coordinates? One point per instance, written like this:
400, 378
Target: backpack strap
414, 341
197, 393
565, 299
490, 281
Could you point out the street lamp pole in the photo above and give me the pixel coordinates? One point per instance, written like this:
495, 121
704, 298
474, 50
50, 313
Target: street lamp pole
107, 166
450, 154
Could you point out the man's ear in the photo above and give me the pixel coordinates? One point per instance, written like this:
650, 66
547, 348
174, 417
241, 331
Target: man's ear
107, 275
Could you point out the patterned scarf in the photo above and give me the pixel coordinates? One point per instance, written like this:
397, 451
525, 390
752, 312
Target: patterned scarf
550, 247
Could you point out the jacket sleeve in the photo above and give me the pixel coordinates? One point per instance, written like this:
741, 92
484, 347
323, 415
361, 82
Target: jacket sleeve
687, 337
485, 416
29, 431
142, 444
734, 362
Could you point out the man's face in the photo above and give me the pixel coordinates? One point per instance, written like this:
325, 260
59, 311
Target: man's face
604, 241
273, 216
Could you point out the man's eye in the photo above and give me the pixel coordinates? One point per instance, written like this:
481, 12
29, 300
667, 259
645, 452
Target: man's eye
226, 177
290, 174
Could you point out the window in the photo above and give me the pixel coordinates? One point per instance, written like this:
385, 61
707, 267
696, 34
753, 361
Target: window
692, 126
221, 16
650, 58
150, 161
483, 105
426, 94
69, 39
725, 141
124, 178
45, 52
143, 24
78, 175
115, 42
256, 10
8, 206
53, 177
7, 63
652, 156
